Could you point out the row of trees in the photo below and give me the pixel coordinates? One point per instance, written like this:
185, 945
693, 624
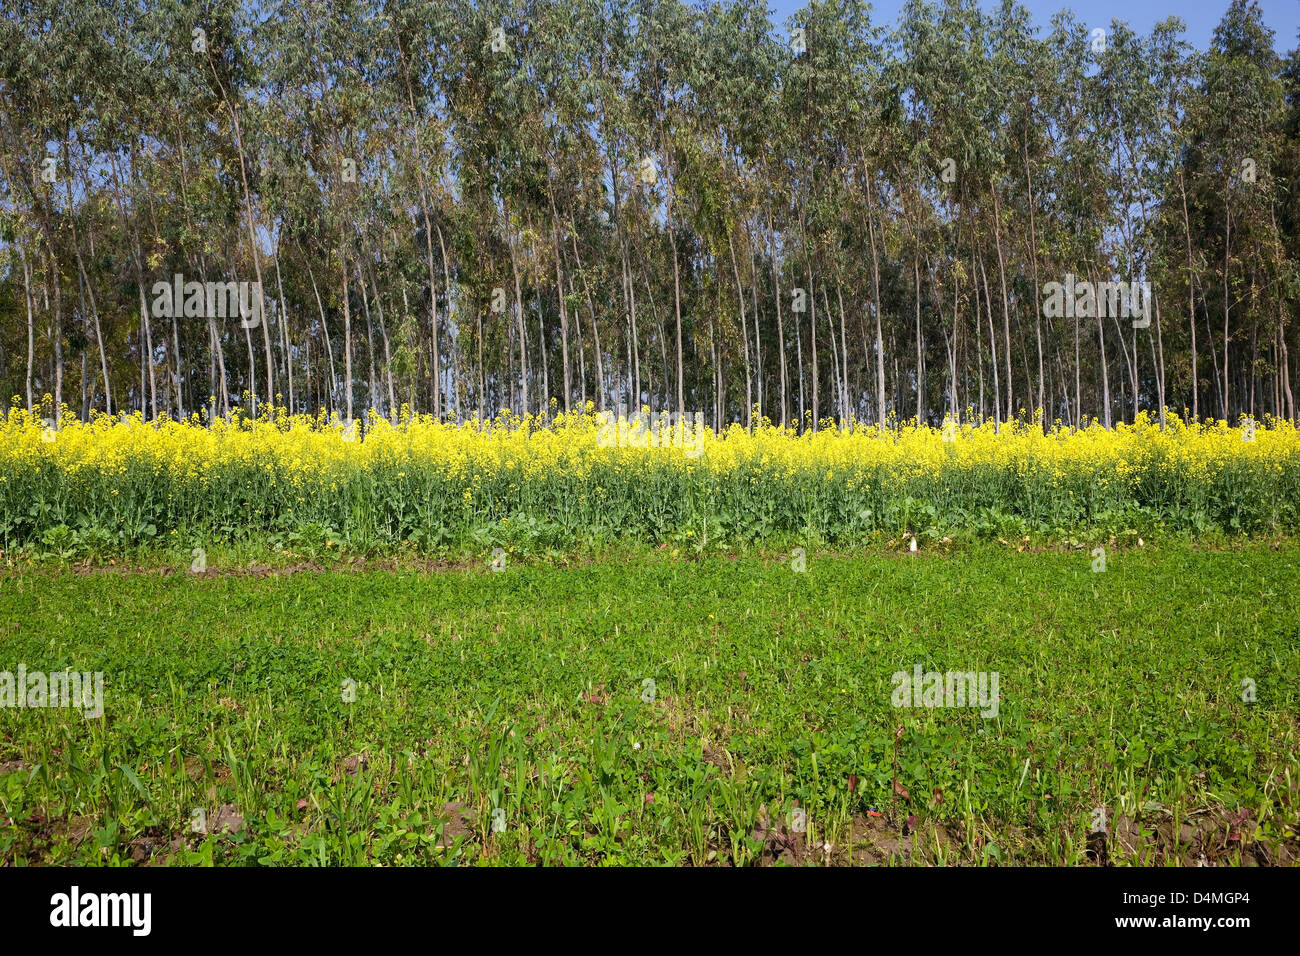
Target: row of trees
534, 204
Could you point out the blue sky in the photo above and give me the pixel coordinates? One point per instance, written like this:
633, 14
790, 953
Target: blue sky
1201, 16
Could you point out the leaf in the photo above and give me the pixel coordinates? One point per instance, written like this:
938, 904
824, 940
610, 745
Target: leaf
135, 781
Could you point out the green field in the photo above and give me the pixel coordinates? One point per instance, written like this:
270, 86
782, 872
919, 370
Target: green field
526, 692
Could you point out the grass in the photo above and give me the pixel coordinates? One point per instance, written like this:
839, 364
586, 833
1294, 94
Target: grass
507, 718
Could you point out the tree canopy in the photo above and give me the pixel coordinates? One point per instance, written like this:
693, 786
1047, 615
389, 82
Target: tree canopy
460, 207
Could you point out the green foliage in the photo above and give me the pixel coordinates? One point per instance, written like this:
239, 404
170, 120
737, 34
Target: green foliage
525, 691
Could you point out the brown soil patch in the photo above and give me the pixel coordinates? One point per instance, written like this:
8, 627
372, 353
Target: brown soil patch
457, 823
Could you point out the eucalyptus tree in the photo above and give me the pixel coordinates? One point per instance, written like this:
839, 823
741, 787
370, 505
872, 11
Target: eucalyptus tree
420, 37
662, 51
1230, 163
